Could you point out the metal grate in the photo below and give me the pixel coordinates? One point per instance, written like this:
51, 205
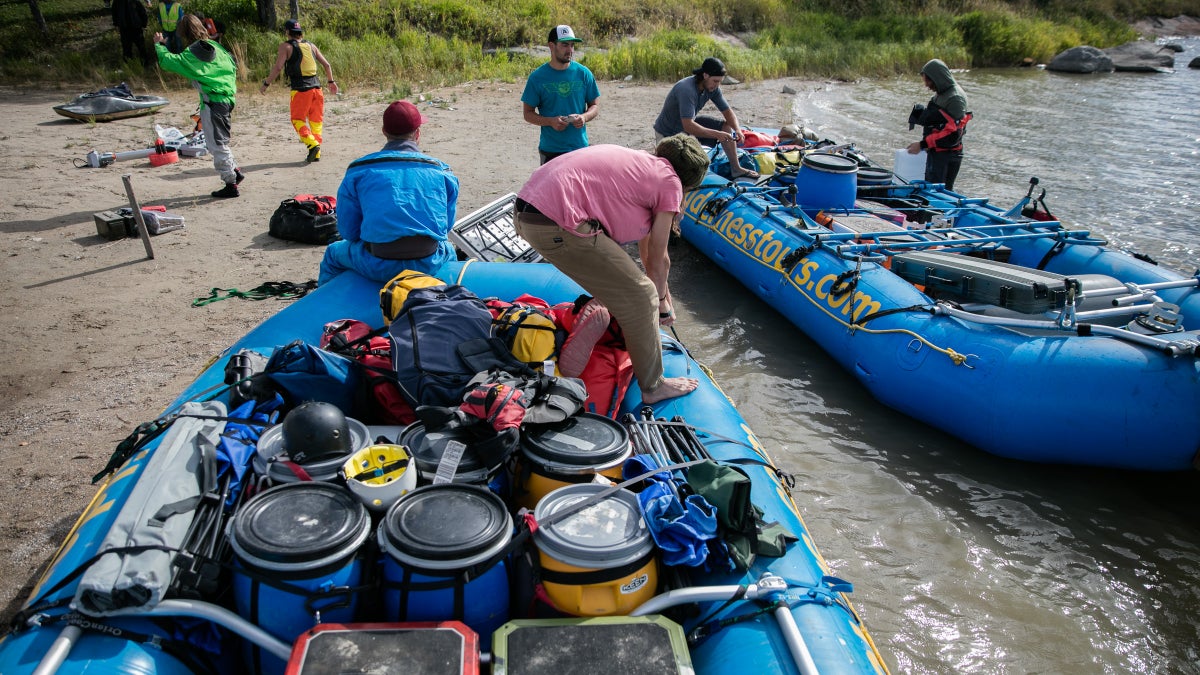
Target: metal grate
487, 234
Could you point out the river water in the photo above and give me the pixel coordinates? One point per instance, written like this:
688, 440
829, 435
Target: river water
963, 562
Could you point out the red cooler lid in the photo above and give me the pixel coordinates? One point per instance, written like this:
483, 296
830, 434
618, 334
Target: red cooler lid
442, 648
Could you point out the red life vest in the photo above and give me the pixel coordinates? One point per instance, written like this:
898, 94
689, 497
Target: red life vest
609, 371
385, 402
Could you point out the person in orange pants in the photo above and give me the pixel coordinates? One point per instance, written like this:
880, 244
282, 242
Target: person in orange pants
299, 58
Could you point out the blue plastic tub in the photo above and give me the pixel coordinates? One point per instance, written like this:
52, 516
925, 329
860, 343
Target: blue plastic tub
826, 182
429, 538
296, 547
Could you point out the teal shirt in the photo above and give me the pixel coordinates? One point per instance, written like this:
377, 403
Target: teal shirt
561, 92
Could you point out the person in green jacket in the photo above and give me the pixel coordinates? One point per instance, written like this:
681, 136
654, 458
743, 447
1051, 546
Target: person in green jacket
213, 72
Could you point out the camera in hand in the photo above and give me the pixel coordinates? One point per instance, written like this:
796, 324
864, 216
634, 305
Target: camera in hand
914, 117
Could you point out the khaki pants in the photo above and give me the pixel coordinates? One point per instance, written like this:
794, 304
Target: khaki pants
607, 273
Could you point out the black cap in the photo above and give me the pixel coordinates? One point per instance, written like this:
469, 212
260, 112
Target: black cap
711, 66
292, 26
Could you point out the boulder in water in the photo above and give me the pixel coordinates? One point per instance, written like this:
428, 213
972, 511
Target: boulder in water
1083, 59
1141, 56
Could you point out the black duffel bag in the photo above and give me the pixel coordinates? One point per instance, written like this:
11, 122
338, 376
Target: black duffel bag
308, 219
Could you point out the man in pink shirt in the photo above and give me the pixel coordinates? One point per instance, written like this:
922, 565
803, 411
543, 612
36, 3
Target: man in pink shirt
578, 211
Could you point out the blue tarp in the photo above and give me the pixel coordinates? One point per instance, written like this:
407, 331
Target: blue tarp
680, 528
239, 440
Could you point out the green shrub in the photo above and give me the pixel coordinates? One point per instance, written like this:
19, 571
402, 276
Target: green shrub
1001, 38
665, 56
750, 15
229, 12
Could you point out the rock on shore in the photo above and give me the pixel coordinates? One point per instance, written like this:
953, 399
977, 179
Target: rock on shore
1162, 27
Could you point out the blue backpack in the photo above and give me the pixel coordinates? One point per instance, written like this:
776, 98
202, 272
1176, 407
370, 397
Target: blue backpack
439, 341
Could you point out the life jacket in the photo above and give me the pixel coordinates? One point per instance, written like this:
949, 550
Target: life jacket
609, 371
546, 399
501, 406
943, 133
608, 375
301, 67
169, 14
789, 155
780, 159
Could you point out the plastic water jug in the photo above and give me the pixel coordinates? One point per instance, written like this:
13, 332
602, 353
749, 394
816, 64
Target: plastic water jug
909, 167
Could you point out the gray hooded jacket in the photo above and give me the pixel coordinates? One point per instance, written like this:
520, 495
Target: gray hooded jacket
945, 119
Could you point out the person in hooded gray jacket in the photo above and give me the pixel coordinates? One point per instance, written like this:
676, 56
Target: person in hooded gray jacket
943, 123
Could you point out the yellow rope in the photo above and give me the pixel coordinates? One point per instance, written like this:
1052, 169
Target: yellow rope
463, 272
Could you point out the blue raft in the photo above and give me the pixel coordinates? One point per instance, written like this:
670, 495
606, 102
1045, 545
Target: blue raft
784, 615
1005, 328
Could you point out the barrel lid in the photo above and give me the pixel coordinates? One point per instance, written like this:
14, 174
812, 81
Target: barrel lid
609, 533
299, 525
447, 522
874, 175
429, 454
582, 440
824, 161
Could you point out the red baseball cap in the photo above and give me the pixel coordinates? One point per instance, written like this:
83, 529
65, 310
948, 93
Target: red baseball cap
401, 118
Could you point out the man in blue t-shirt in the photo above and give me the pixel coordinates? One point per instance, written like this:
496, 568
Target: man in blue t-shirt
560, 97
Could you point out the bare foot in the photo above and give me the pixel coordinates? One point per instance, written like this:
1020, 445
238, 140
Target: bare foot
670, 388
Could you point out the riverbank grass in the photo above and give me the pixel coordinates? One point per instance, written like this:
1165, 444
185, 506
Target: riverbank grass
397, 45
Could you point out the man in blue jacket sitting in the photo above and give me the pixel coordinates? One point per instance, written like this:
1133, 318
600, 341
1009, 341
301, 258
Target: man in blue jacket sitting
394, 207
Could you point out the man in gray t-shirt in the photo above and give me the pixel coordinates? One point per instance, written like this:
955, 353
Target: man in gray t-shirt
687, 97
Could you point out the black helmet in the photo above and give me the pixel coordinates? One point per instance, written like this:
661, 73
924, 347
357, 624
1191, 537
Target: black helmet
314, 431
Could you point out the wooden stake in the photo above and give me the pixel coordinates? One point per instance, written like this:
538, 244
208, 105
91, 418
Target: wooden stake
137, 214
